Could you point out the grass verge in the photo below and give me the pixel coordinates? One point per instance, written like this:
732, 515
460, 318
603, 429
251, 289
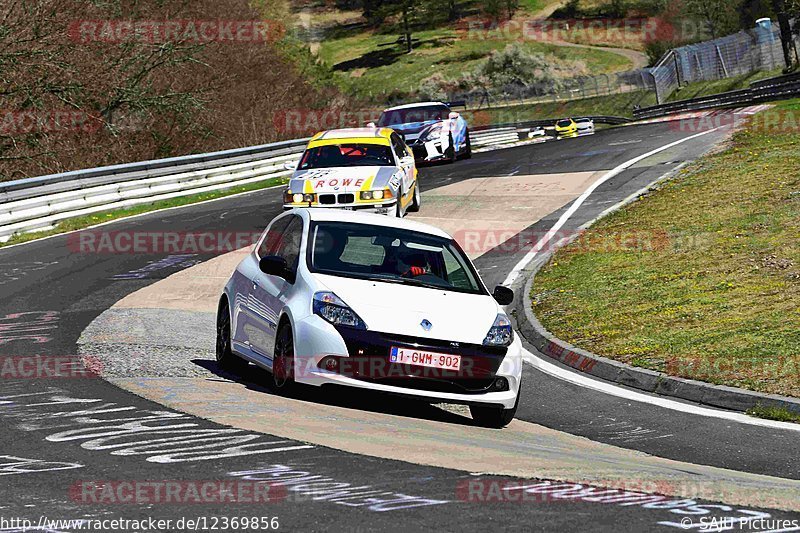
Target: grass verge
82, 222
701, 279
774, 413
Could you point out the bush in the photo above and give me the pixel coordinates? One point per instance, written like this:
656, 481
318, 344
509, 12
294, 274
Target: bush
655, 50
514, 66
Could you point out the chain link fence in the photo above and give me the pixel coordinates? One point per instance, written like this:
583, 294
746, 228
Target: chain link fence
733, 55
758, 49
568, 89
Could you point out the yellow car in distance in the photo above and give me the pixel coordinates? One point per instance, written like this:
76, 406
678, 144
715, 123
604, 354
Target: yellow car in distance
566, 128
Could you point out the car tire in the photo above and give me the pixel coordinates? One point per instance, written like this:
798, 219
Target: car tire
450, 154
468, 152
494, 417
226, 359
283, 360
398, 209
417, 201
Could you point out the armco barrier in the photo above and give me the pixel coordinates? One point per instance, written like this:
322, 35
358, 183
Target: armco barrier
780, 87
39, 203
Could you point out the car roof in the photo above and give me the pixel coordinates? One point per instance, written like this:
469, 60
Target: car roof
340, 215
362, 135
412, 106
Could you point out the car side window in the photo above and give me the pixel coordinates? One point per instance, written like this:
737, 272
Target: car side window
399, 146
271, 241
288, 246
457, 274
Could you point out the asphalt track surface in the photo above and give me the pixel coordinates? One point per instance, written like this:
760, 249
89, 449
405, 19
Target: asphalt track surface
60, 292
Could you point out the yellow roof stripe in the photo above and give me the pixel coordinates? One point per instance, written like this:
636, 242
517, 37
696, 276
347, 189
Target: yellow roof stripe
381, 141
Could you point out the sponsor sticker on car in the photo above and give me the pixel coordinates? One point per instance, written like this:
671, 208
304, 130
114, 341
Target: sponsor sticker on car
420, 358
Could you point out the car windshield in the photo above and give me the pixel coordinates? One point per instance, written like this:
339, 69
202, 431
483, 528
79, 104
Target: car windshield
413, 114
347, 155
390, 255
563, 123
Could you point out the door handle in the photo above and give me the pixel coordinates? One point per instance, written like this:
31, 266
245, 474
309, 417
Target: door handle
256, 283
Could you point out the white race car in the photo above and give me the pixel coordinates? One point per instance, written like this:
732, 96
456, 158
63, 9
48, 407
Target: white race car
432, 129
585, 125
329, 297
356, 169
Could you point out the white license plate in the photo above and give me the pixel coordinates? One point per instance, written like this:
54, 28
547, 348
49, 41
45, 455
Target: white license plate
431, 359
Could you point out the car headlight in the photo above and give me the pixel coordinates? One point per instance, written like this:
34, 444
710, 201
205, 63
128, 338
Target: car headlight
500, 334
433, 134
334, 310
299, 198
376, 195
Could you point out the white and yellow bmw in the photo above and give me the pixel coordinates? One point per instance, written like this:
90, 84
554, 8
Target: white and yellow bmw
369, 169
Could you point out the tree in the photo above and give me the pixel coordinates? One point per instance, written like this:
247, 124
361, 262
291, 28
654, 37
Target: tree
720, 17
407, 11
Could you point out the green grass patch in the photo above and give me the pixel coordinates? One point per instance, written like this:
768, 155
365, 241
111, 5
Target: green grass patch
774, 413
369, 65
707, 88
701, 279
82, 222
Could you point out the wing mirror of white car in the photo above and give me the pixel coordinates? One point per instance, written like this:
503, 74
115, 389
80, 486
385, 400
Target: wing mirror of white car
503, 295
371, 125
453, 115
290, 165
275, 266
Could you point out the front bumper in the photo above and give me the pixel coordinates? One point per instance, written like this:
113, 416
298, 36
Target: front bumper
365, 363
430, 151
382, 208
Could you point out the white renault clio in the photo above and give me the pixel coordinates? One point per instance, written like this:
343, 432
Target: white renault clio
331, 297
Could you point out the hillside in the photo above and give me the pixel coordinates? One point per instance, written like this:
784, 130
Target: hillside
77, 91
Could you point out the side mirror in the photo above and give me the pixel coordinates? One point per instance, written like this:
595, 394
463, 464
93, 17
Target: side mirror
453, 115
371, 125
503, 295
290, 165
274, 266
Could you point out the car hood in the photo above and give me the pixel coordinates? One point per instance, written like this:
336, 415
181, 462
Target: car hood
342, 179
400, 309
413, 127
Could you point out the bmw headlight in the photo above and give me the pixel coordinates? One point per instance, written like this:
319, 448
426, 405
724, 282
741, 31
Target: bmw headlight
500, 334
379, 194
433, 134
334, 310
298, 198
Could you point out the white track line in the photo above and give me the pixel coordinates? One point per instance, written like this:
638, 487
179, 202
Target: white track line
607, 388
515, 272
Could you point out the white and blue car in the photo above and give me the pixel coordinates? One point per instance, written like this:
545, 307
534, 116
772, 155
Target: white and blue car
431, 129
330, 297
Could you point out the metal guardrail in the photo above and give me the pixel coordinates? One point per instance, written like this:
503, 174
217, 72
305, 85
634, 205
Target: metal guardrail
780, 87
42, 202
